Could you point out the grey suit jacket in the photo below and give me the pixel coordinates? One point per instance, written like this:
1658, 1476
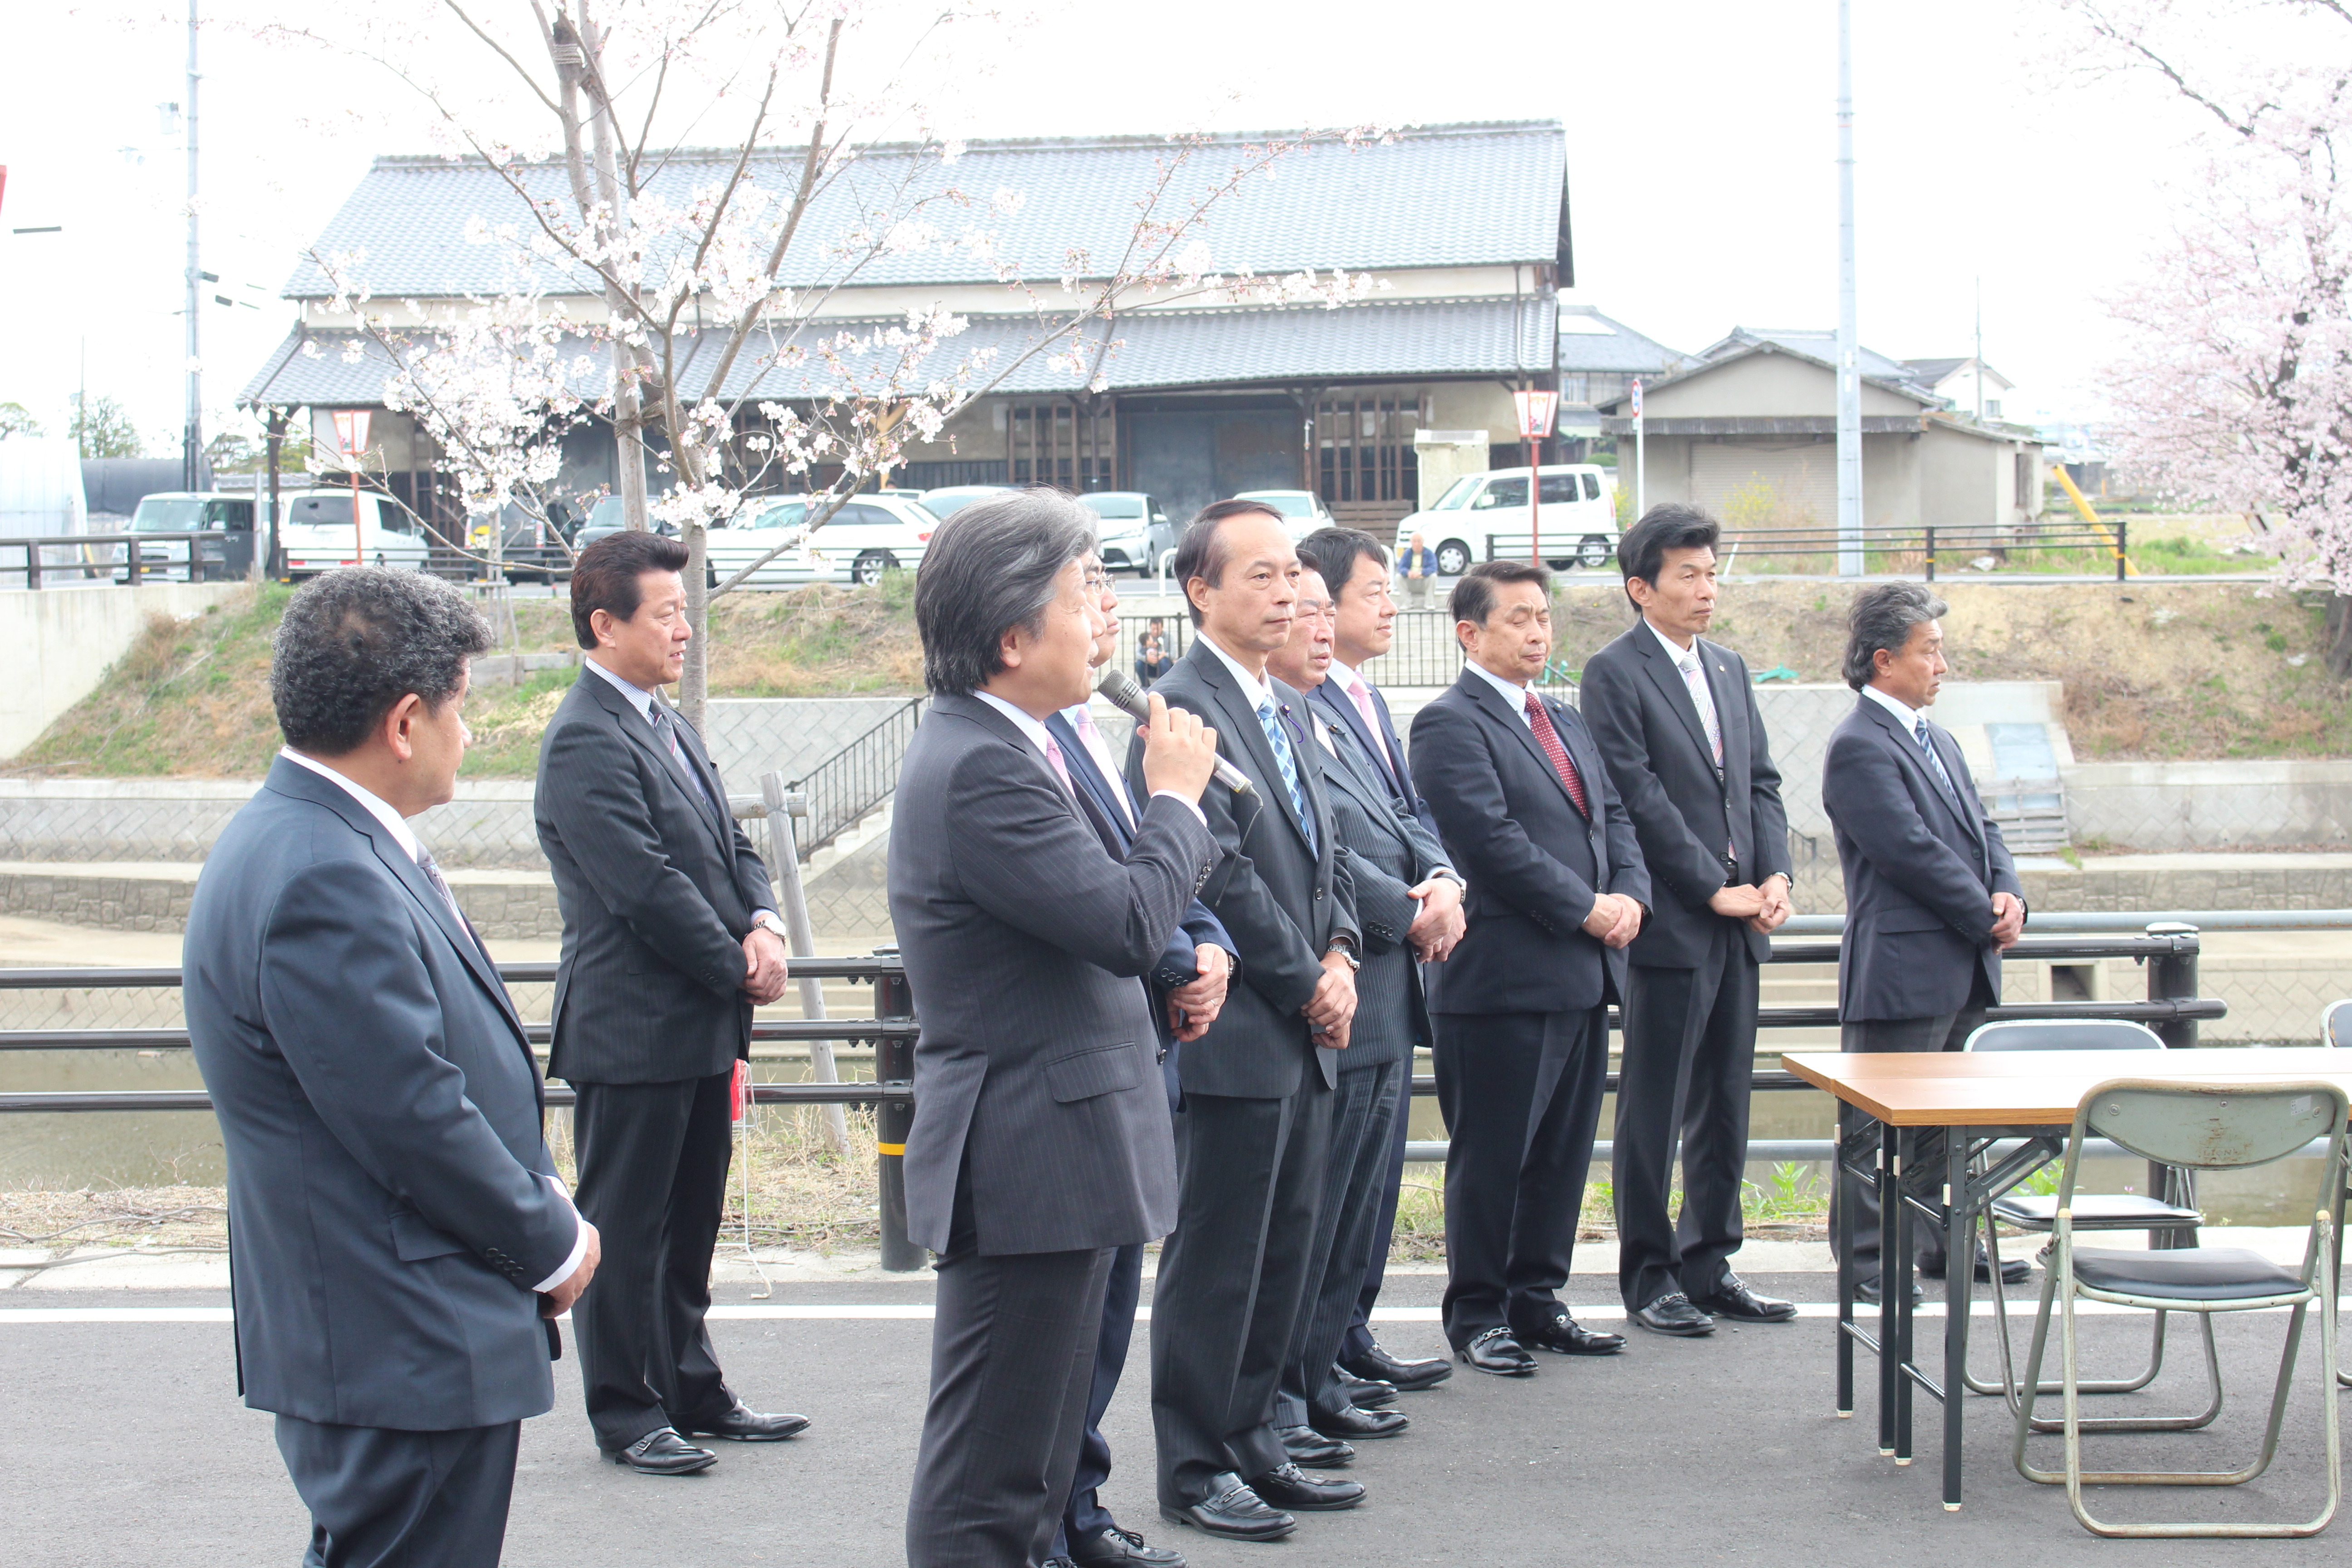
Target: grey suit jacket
1920, 873
1533, 861
389, 1191
1037, 1078
1686, 811
1387, 853
657, 891
1281, 901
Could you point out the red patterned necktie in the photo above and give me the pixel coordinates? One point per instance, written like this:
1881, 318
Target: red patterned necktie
1540, 722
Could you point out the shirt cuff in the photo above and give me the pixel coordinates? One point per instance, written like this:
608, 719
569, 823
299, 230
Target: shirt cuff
579, 1242
1192, 805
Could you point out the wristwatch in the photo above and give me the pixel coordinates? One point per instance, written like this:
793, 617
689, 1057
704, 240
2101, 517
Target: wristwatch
768, 920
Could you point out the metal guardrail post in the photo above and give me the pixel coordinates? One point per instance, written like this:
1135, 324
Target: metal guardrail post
32, 564
2122, 544
894, 1062
1931, 552
2172, 977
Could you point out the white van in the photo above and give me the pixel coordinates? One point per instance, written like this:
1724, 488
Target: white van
870, 535
317, 532
1484, 517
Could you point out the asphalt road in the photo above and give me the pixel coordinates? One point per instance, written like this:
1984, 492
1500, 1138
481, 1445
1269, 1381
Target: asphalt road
123, 1444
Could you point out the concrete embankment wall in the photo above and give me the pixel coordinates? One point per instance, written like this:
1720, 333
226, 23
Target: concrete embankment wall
61, 640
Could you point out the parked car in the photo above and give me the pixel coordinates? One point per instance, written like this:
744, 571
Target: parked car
942, 503
318, 533
189, 511
531, 549
1484, 517
1303, 511
1135, 532
868, 536
605, 518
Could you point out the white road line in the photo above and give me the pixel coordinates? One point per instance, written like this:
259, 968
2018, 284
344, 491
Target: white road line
883, 1311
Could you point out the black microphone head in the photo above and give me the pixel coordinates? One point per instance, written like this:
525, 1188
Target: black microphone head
1123, 693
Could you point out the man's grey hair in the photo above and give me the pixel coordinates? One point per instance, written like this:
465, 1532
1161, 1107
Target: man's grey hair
354, 642
991, 568
1881, 617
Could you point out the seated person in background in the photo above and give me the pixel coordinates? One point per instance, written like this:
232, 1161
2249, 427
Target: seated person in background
1151, 661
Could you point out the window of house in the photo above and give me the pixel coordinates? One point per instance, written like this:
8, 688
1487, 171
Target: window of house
1363, 448
1992, 408
1573, 388
1060, 443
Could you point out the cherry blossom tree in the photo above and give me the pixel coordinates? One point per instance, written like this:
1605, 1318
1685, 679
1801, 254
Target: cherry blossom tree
2235, 387
710, 306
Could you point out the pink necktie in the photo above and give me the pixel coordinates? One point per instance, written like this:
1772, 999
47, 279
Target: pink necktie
1061, 768
1362, 692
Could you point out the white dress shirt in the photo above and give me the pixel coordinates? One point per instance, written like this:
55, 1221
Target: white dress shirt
1513, 694
1256, 687
406, 836
1905, 714
1689, 661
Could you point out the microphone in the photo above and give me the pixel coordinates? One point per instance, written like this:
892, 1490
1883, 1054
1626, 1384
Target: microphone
1127, 696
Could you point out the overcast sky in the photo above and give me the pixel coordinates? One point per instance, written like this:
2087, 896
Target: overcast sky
1701, 147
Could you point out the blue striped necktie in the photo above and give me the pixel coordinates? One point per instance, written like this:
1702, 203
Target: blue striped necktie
1936, 764
1280, 739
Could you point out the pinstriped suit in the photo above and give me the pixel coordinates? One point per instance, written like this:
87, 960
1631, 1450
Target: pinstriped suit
658, 891
1041, 1140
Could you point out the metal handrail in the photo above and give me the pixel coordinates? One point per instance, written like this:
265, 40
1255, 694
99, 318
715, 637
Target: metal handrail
133, 563
855, 779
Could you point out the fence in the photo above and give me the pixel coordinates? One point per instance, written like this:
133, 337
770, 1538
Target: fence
1424, 652
2172, 1008
208, 559
1902, 551
855, 779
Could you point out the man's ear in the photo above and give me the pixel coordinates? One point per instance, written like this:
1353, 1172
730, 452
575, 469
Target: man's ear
398, 728
1010, 648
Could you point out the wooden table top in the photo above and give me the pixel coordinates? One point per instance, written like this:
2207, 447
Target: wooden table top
2018, 1089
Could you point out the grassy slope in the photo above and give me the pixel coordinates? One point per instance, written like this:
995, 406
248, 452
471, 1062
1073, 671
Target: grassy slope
2151, 670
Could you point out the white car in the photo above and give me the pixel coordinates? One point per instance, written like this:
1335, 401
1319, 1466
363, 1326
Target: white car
1303, 511
1132, 531
317, 532
1484, 517
870, 535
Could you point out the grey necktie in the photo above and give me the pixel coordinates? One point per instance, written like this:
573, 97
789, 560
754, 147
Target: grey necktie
665, 724
441, 886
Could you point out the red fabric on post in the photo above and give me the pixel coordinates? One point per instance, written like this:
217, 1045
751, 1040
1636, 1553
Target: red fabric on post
739, 1094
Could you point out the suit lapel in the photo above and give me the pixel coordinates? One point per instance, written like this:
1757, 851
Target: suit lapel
1344, 709
1395, 747
1908, 747
1004, 729
1241, 719
1353, 773
1956, 765
1674, 689
639, 731
1730, 701
1091, 783
1490, 702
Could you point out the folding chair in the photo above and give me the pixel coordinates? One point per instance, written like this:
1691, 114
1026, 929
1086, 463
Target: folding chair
2203, 1127
2336, 1029
2102, 1211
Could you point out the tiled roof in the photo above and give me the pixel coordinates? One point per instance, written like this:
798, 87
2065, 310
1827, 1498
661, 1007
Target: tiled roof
1154, 350
1619, 348
1814, 344
1451, 196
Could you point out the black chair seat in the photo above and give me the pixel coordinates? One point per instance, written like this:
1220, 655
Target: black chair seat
2093, 1211
2186, 1274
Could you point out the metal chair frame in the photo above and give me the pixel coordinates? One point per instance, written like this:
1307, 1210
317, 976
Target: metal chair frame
2060, 1288
2327, 1038
2127, 1035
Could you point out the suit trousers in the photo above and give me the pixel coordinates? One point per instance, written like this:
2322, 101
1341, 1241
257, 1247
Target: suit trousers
653, 1181
1012, 1358
1690, 1049
385, 1499
1231, 1277
1947, 1033
1083, 1516
1521, 1097
1363, 1115
1358, 1341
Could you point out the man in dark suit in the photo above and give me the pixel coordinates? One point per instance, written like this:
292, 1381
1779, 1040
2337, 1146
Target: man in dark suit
1409, 902
1041, 1141
1363, 627
397, 1231
1255, 1126
1932, 898
1188, 989
1520, 1011
1677, 726
667, 943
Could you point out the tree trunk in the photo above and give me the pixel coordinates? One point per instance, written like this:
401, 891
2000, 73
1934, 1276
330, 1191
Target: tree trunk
2339, 635
694, 683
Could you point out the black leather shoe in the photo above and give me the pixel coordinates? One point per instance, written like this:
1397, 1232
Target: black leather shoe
1565, 1336
742, 1426
1866, 1291
1364, 1392
1497, 1352
1116, 1547
1306, 1446
1732, 1299
1357, 1424
1291, 1486
1674, 1314
1233, 1510
1405, 1376
662, 1452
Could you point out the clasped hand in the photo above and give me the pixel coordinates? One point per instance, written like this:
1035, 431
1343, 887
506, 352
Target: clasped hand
765, 971
1194, 1005
1765, 908
1332, 1008
1615, 919
1440, 924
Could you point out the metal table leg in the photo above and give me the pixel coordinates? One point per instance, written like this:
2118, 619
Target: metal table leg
1959, 1287
1895, 1286
1890, 1227
1844, 1187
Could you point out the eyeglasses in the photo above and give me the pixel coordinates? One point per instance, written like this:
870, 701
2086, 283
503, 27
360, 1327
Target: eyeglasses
1097, 583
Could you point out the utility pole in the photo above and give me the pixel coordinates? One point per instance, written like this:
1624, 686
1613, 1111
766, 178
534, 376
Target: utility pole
191, 440
1849, 348
1980, 351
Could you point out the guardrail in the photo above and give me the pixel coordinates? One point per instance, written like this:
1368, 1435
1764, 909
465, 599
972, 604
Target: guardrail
130, 563
2172, 1008
855, 780
1902, 549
